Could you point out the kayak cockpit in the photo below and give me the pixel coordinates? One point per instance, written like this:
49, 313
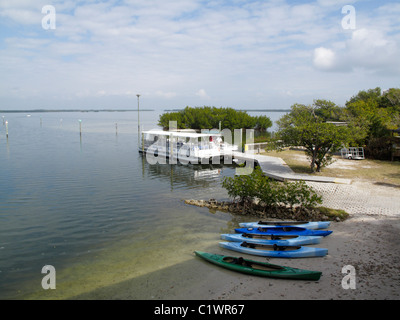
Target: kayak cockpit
274, 247
252, 264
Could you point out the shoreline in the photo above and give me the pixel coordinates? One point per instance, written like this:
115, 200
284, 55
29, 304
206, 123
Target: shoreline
368, 240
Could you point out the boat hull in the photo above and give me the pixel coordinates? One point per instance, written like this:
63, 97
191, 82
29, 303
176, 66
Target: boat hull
282, 231
256, 268
266, 239
279, 252
313, 225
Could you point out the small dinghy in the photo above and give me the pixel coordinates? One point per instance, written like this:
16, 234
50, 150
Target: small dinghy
285, 231
274, 251
256, 268
314, 225
272, 239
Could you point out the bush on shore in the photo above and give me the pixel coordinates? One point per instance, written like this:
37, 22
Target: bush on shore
256, 187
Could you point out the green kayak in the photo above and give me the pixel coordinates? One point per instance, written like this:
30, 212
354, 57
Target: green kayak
256, 268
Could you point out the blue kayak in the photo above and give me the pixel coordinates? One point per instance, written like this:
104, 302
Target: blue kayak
284, 231
275, 251
272, 239
302, 224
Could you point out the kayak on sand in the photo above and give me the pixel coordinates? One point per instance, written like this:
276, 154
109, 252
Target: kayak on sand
275, 251
283, 231
272, 239
303, 224
263, 269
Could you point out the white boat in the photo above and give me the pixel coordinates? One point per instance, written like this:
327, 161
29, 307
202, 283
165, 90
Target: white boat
185, 146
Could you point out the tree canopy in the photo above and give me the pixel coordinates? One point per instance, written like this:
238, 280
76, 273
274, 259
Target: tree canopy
210, 117
304, 126
374, 112
370, 115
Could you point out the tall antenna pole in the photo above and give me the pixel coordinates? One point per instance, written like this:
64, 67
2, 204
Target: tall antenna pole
138, 95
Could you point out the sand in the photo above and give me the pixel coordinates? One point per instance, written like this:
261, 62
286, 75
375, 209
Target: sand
369, 241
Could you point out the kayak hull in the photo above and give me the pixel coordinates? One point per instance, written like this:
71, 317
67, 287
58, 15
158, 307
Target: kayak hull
266, 239
282, 231
256, 268
313, 225
277, 252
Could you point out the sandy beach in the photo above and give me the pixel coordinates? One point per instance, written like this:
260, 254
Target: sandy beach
369, 241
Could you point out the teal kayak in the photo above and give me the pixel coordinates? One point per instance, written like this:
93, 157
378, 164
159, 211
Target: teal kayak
256, 268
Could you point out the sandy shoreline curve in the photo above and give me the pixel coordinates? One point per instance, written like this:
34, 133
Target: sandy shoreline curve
369, 241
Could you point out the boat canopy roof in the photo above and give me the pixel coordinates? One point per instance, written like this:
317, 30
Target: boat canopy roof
186, 134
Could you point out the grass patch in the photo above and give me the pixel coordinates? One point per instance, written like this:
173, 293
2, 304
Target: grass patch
333, 214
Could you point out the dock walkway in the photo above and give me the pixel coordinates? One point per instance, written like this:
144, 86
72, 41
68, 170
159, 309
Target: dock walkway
277, 169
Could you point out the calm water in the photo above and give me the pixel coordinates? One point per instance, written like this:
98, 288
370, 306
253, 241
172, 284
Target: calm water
92, 207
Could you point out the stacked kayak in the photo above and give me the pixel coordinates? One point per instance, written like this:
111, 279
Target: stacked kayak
256, 268
274, 251
270, 239
284, 230
303, 224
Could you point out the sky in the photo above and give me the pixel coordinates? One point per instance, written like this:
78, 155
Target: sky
254, 54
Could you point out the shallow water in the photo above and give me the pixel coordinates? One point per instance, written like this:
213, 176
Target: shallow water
91, 206
76, 194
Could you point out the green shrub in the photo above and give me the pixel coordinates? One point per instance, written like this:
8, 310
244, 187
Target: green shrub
270, 192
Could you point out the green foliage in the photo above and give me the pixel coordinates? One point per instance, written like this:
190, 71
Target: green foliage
369, 95
327, 110
303, 127
209, 118
270, 192
333, 213
242, 187
373, 114
299, 193
370, 115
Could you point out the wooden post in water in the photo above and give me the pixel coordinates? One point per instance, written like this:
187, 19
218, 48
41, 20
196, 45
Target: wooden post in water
116, 128
80, 127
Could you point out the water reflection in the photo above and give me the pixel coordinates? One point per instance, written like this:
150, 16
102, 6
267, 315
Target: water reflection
186, 176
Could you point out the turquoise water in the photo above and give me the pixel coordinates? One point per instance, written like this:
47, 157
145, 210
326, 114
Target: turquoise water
91, 206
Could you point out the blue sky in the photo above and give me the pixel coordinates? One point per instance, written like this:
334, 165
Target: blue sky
241, 54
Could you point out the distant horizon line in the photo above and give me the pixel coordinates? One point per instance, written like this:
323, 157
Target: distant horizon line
123, 110
249, 110
72, 110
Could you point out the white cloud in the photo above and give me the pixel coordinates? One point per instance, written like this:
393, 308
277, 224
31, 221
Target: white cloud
242, 52
202, 94
324, 58
367, 49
